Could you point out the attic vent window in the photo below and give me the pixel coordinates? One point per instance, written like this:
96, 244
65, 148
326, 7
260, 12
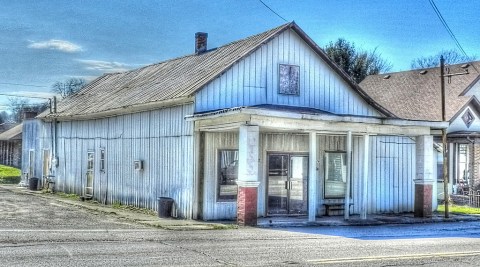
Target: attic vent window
468, 118
423, 72
386, 76
289, 79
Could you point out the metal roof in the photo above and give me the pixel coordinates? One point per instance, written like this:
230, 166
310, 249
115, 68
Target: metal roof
14, 133
172, 80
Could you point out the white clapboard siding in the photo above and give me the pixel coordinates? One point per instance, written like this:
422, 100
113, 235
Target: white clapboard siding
459, 125
162, 139
254, 81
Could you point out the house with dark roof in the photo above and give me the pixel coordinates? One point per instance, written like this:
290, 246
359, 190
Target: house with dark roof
11, 146
416, 95
266, 126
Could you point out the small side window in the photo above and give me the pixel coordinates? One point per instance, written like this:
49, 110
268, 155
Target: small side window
102, 159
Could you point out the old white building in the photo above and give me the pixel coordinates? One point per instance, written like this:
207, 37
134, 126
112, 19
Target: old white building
263, 126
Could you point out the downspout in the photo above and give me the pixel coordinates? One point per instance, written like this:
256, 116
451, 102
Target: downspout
54, 136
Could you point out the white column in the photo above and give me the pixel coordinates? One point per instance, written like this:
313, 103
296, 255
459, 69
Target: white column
312, 177
424, 176
366, 160
248, 178
346, 212
248, 153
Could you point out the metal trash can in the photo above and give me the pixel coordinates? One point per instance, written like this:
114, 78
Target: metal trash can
165, 205
33, 184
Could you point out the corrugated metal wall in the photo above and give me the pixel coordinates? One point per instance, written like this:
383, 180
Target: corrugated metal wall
36, 136
162, 139
254, 80
391, 171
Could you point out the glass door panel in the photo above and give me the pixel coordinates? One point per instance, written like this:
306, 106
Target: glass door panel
277, 184
287, 184
298, 185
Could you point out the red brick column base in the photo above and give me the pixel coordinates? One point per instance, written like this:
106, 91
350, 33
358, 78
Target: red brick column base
247, 206
423, 200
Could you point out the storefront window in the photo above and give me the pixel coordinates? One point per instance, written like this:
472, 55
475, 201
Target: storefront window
227, 175
335, 174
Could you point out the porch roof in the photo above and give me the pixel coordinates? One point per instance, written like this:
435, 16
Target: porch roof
298, 119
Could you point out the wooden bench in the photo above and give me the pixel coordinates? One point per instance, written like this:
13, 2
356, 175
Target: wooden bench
335, 206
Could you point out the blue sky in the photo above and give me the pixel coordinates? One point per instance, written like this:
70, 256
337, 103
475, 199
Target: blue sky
45, 41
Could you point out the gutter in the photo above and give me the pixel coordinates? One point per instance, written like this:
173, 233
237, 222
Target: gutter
119, 111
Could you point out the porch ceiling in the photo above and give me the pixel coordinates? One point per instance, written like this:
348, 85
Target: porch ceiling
287, 121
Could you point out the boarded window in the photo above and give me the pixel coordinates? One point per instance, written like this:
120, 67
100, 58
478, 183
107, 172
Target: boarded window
227, 175
289, 76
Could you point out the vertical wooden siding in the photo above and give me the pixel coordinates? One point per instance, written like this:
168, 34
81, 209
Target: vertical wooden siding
391, 174
162, 139
391, 171
254, 81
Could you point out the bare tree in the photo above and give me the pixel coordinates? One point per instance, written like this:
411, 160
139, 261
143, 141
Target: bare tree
450, 56
18, 106
356, 63
68, 87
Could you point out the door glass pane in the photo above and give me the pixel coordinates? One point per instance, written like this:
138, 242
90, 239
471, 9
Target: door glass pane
277, 184
298, 185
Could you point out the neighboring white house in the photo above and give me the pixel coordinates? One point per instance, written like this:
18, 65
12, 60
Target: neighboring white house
264, 126
416, 94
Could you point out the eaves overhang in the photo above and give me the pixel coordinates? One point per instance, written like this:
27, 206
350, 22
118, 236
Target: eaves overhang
118, 111
230, 119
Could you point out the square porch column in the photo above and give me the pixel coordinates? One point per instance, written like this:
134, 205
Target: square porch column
424, 176
248, 180
312, 177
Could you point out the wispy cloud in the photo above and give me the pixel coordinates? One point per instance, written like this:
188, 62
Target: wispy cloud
105, 66
54, 44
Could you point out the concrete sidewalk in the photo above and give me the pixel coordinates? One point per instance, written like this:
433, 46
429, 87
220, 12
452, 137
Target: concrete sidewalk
150, 218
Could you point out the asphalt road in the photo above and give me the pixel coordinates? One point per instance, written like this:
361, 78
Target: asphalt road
41, 232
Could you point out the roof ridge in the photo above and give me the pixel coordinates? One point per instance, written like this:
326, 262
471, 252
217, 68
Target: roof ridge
204, 53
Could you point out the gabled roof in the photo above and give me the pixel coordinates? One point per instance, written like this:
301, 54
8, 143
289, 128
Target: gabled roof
14, 133
416, 94
174, 80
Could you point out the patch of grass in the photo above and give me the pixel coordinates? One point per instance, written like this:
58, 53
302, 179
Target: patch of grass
68, 196
459, 209
9, 175
118, 205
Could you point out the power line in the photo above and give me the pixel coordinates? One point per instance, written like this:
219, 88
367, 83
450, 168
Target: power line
37, 97
445, 25
273, 11
21, 84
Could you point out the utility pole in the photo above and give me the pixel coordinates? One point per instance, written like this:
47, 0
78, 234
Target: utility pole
446, 196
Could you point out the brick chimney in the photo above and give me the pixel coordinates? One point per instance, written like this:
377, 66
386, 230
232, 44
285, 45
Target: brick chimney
200, 42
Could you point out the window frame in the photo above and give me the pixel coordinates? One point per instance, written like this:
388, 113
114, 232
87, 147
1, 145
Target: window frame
327, 195
218, 174
102, 160
284, 80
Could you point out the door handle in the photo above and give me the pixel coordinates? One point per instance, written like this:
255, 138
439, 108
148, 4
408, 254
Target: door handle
288, 185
